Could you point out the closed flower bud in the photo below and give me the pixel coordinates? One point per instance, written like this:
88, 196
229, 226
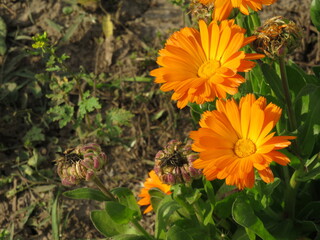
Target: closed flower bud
80, 163
173, 164
277, 37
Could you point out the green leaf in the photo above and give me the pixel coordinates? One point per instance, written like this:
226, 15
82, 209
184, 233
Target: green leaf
306, 134
194, 230
73, 28
119, 116
55, 217
224, 206
316, 70
244, 215
104, 224
209, 190
156, 196
164, 212
127, 198
88, 104
177, 233
273, 80
129, 237
310, 211
86, 193
3, 34
315, 13
257, 81
119, 213
33, 135
295, 80
63, 114
185, 194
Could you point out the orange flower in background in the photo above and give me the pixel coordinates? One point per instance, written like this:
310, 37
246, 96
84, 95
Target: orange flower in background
223, 8
200, 66
235, 139
206, 2
152, 182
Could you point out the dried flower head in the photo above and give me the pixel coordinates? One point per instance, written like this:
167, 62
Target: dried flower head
276, 37
173, 164
80, 163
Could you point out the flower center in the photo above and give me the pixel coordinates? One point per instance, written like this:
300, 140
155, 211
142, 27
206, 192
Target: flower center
244, 148
208, 68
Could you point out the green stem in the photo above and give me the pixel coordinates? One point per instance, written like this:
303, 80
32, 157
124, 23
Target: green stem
285, 85
290, 196
198, 212
103, 189
137, 225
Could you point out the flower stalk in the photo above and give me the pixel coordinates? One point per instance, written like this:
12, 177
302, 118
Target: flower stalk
103, 189
285, 86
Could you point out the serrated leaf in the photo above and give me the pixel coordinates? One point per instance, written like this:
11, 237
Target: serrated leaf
86, 193
88, 104
33, 135
119, 116
63, 114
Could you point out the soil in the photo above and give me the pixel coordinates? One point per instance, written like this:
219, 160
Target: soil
140, 28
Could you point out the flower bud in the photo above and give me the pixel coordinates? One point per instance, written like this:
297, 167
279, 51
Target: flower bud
173, 164
277, 37
80, 163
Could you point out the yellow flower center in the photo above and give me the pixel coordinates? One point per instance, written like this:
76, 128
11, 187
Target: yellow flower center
208, 68
244, 148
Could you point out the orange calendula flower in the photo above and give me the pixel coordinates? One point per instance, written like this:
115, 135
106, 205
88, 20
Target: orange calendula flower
200, 66
235, 139
152, 182
223, 8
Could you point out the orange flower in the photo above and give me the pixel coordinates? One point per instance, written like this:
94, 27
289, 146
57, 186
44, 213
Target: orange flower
200, 66
223, 8
235, 139
152, 182
206, 2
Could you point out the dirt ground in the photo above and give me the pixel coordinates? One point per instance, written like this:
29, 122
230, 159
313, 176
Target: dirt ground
140, 29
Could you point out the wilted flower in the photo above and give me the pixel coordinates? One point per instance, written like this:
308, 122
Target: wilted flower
235, 139
80, 163
276, 37
173, 164
200, 66
152, 182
